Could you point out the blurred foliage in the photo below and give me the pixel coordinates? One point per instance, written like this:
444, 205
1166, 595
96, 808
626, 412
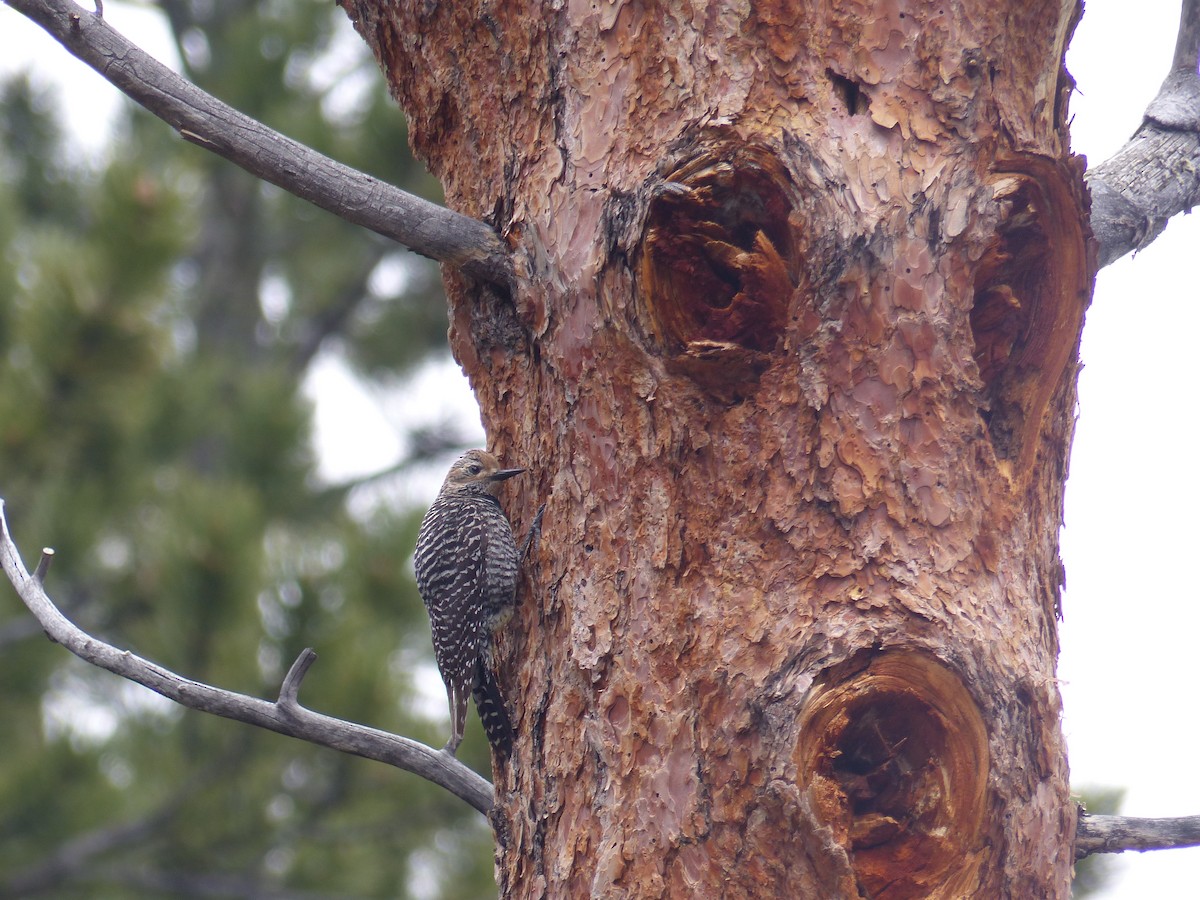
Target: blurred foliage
1094, 874
160, 312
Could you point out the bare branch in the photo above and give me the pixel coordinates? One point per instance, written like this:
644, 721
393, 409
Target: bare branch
1187, 44
285, 717
333, 318
1116, 834
76, 853
21, 627
424, 227
1156, 175
150, 882
74, 860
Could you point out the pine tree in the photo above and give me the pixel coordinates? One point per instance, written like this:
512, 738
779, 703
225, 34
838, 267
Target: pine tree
162, 314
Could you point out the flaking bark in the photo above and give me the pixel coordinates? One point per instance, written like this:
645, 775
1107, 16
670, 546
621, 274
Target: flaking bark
793, 356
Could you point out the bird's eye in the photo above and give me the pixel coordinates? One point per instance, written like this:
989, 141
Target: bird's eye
474, 469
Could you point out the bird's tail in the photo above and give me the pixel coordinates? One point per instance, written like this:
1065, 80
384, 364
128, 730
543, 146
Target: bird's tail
492, 711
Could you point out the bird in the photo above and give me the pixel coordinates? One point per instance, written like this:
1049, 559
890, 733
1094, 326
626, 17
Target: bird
466, 565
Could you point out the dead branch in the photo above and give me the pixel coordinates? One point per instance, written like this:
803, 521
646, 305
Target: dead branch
147, 882
76, 853
76, 859
1116, 834
1156, 175
423, 227
284, 716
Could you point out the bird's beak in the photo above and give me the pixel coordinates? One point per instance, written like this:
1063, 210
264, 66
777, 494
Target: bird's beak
503, 474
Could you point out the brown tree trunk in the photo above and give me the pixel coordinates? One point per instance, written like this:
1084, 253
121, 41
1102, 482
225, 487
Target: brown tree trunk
792, 353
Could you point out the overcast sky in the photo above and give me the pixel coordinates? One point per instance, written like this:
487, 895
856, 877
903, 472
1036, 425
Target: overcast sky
1132, 608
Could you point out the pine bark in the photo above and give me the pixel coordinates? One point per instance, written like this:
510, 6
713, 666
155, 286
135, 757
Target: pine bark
792, 352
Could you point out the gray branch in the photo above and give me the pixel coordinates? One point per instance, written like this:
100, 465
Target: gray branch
423, 227
285, 716
1156, 175
1116, 834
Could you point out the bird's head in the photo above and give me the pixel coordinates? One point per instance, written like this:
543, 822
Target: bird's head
477, 471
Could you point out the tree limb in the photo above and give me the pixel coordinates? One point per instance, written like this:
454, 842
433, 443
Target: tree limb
73, 860
285, 716
1116, 834
77, 852
423, 227
333, 317
150, 882
1156, 175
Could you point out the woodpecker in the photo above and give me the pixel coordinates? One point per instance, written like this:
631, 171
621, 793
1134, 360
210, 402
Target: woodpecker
466, 563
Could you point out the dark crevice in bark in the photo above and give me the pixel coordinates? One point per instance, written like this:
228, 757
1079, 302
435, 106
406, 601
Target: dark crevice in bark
853, 98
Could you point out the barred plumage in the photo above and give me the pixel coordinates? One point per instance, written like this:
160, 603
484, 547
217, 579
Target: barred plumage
466, 563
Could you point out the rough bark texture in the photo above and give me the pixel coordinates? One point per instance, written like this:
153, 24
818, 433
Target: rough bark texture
793, 357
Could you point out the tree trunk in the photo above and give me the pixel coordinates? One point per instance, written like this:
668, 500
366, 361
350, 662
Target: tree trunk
792, 354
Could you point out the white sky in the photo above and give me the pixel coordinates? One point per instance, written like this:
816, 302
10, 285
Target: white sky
1132, 610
